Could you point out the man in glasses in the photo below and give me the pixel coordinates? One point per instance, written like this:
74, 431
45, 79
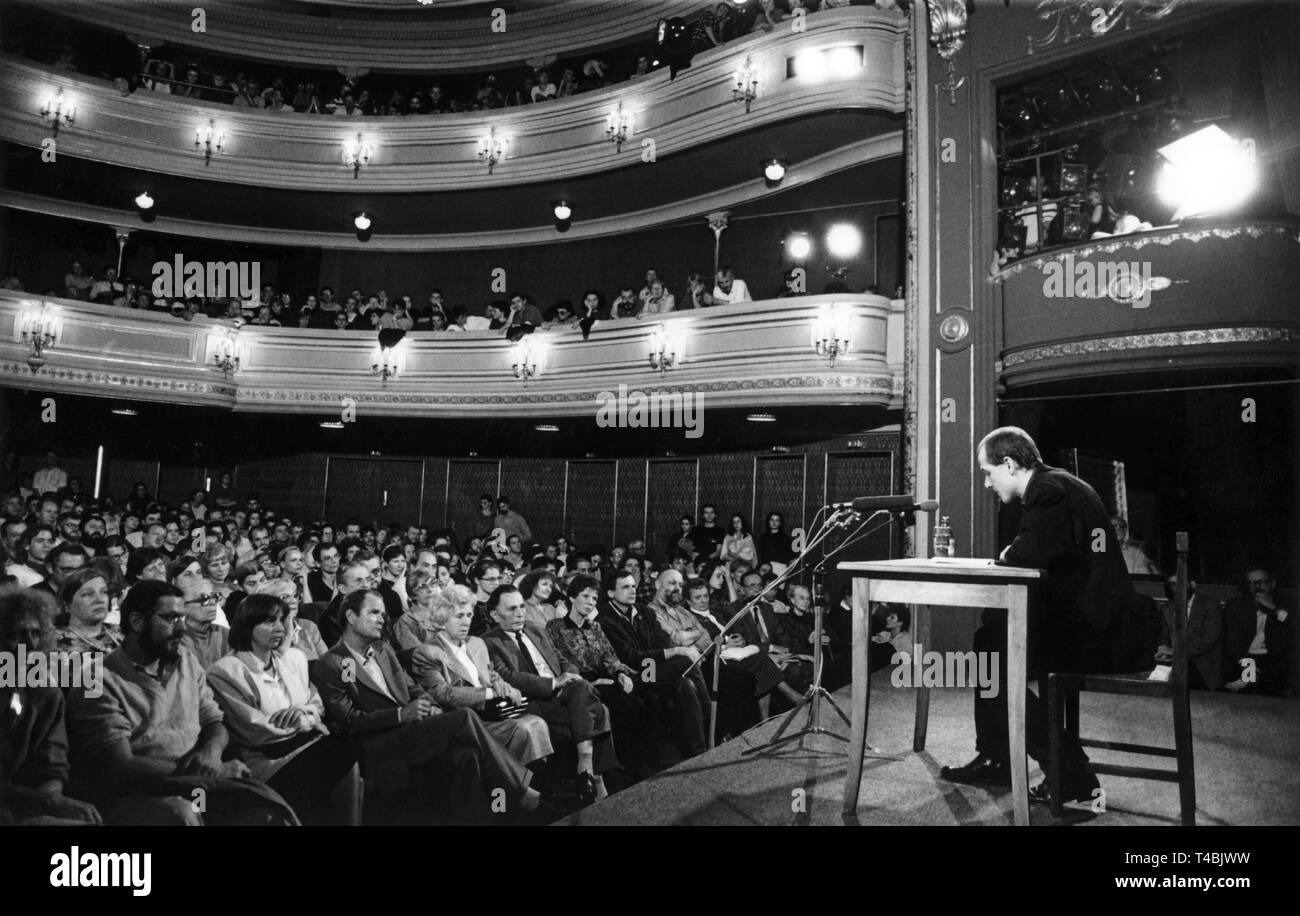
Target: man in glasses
203, 636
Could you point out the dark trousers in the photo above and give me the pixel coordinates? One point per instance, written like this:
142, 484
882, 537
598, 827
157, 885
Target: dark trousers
992, 725
637, 722
689, 695
307, 781
578, 714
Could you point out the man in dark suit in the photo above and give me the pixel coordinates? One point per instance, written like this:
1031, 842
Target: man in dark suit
1081, 619
403, 735
526, 659
641, 644
332, 626
1204, 632
1256, 639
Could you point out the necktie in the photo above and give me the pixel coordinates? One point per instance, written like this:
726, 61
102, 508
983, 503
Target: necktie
525, 660
762, 624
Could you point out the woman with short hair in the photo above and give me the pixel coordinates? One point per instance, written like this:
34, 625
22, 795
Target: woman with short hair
456, 670
416, 626
275, 715
81, 627
302, 635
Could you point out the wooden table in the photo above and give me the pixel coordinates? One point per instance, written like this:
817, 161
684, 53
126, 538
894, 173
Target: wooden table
948, 582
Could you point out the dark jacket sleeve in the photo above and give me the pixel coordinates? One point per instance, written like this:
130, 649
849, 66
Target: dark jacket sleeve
341, 700
1046, 529
45, 756
504, 660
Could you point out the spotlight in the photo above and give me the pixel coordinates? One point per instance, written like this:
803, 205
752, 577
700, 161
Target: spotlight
798, 245
1206, 173
844, 240
563, 212
812, 66
144, 207
774, 172
845, 62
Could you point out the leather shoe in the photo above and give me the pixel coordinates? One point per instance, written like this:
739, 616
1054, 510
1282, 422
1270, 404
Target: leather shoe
586, 786
982, 770
1079, 789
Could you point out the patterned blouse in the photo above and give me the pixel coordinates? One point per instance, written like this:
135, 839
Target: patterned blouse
67, 639
587, 648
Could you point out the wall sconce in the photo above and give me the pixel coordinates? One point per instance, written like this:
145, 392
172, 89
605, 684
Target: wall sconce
492, 149
356, 153
773, 172
746, 84
831, 333
666, 348
228, 354
528, 361
618, 127
387, 362
58, 110
208, 139
40, 327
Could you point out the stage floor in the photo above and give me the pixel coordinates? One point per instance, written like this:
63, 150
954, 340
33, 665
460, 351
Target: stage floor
1246, 750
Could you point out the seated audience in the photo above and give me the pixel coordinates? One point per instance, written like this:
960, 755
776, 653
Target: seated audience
402, 733
34, 742
82, 626
274, 714
1257, 639
525, 658
455, 670
152, 742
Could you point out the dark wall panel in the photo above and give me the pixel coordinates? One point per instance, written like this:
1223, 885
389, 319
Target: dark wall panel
590, 505
294, 484
672, 490
727, 481
630, 520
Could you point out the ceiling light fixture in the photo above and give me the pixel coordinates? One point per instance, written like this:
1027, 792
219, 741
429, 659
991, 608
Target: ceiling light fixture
547, 428
761, 418
125, 412
773, 172
331, 424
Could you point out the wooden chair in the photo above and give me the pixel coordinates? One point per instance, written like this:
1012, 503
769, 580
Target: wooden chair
1063, 711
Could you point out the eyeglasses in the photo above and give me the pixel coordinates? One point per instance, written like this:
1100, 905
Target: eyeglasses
204, 600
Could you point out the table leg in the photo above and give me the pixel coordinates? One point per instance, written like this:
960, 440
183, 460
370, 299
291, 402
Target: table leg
1014, 680
861, 693
921, 627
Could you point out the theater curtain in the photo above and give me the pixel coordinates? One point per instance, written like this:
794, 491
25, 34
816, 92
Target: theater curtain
1278, 38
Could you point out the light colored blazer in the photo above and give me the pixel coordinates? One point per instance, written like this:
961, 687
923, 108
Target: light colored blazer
248, 700
437, 670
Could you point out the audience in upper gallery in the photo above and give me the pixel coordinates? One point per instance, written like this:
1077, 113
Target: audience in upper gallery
249, 85
153, 734
455, 669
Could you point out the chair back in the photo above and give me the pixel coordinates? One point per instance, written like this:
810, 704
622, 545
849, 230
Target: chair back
1178, 625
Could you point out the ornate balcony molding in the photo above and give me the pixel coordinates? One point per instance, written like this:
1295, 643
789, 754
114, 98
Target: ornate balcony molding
384, 41
870, 150
1202, 297
437, 153
756, 355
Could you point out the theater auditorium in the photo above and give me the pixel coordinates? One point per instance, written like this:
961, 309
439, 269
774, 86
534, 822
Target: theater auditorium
585, 412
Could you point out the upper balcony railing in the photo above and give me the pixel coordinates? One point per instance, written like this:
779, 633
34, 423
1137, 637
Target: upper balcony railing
157, 133
1210, 295
750, 355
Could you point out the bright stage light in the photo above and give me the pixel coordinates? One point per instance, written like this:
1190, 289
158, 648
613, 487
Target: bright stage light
1206, 173
844, 240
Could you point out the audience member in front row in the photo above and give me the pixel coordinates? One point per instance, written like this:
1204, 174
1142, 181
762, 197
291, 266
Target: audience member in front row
33, 740
154, 734
403, 735
1203, 630
641, 644
1257, 638
526, 658
730, 289
455, 669
275, 715
80, 627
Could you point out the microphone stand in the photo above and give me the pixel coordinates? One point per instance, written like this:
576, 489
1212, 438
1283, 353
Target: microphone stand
841, 516
816, 692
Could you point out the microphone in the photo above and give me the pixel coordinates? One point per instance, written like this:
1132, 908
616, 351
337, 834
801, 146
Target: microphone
899, 503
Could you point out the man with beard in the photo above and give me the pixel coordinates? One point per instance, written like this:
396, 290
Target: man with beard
148, 744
